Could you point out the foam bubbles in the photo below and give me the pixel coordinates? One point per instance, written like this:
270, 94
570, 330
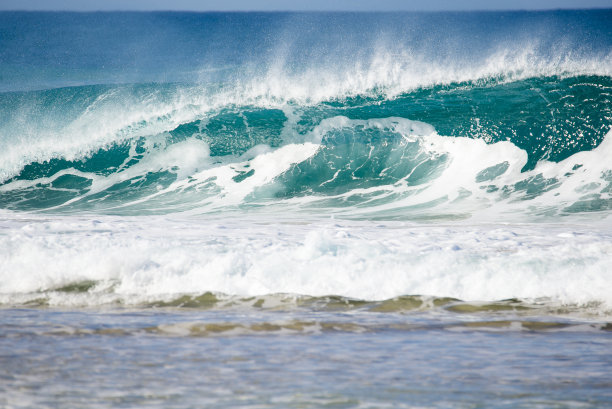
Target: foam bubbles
136, 260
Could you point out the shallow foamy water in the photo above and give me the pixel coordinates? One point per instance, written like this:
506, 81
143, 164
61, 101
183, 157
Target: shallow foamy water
273, 313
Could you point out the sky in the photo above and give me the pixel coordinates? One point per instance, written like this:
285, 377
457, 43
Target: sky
270, 5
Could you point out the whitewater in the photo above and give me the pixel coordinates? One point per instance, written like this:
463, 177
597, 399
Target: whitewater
310, 185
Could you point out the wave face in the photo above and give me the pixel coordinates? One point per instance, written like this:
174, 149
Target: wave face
442, 117
399, 121
537, 143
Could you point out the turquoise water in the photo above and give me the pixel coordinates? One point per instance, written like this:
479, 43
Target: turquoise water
364, 142
305, 209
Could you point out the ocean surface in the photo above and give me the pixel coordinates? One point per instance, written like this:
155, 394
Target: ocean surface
305, 210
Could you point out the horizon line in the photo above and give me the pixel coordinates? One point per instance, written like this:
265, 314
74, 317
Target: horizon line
299, 10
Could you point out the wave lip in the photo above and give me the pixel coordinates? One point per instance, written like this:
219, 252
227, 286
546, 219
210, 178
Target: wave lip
74, 123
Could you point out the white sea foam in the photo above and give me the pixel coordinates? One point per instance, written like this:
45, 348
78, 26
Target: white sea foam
139, 259
142, 259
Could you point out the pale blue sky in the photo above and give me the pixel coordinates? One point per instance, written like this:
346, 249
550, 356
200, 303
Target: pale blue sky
267, 5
